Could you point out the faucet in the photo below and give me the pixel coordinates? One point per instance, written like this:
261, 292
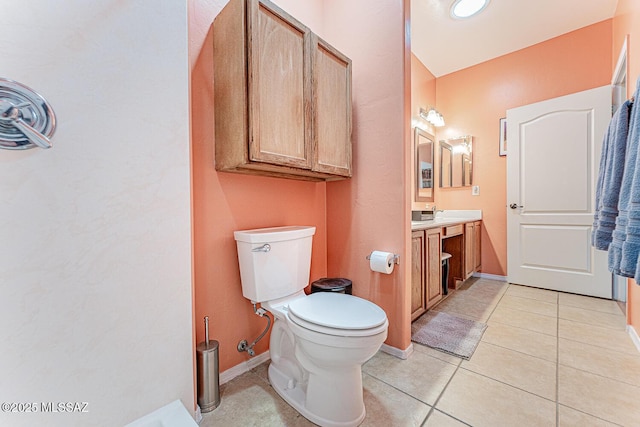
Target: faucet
435, 210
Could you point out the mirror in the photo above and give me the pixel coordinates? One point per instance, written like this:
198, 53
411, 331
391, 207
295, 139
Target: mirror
456, 162
424, 144
445, 165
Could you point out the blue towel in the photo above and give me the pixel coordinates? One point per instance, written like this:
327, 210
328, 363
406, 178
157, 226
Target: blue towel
625, 242
612, 160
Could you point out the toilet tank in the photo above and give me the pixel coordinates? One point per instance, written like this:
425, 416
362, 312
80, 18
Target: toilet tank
274, 262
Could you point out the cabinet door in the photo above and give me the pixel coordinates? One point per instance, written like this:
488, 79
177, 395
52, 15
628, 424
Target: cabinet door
472, 257
279, 87
477, 246
418, 288
469, 249
434, 265
331, 109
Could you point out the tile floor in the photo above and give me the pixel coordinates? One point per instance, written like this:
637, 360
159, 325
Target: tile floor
546, 359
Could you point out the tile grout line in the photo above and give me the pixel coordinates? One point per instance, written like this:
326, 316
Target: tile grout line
405, 392
557, 358
433, 407
458, 367
603, 347
524, 329
527, 312
595, 374
558, 369
542, 359
508, 385
497, 303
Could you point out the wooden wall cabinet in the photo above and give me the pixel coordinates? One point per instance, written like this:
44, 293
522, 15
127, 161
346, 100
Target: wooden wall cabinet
472, 257
282, 96
426, 270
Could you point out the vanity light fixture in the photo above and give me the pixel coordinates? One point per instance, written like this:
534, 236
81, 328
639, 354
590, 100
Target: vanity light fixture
462, 9
432, 116
417, 122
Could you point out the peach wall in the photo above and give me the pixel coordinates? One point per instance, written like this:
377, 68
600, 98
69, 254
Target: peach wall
423, 86
346, 213
627, 21
224, 202
371, 211
474, 99
423, 94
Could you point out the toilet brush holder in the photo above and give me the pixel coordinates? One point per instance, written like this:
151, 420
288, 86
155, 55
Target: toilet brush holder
207, 359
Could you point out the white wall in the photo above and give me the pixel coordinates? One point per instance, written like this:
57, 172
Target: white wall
95, 237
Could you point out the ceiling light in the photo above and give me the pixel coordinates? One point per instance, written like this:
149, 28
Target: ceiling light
461, 9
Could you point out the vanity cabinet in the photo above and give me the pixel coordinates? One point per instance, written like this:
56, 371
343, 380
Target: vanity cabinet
418, 279
472, 258
282, 96
433, 262
426, 271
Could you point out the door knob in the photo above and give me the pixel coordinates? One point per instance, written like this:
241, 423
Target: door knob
515, 206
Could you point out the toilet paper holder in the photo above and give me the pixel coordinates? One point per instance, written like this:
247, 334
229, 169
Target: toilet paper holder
396, 258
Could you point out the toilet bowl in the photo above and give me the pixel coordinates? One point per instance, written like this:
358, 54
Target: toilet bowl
319, 341
317, 368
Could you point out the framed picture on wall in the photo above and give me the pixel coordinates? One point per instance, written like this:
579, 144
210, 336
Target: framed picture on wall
503, 137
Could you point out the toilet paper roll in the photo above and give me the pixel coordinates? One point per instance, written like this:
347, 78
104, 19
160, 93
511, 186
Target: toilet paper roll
382, 262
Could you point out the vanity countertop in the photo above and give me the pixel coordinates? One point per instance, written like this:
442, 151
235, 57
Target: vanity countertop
448, 217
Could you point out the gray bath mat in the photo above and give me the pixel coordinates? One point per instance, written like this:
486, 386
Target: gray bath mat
448, 333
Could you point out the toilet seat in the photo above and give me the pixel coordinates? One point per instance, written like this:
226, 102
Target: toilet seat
337, 314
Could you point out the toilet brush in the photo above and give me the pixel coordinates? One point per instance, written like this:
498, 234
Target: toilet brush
208, 372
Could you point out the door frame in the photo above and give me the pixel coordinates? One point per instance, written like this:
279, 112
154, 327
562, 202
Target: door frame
618, 96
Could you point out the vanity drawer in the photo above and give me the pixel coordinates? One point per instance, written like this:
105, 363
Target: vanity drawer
453, 230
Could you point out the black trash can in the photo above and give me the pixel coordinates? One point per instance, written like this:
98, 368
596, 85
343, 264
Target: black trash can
332, 284
445, 272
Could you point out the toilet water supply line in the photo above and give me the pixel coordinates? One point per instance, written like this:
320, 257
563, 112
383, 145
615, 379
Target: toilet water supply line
244, 345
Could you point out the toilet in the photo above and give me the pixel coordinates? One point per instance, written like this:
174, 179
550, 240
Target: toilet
320, 341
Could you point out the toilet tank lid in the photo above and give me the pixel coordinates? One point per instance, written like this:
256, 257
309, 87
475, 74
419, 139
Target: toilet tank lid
274, 234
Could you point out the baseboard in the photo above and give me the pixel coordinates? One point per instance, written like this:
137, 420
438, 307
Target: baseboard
490, 277
198, 415
634, 336
400, 354
243, 367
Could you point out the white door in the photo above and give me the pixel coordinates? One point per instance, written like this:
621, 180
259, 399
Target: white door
552, 167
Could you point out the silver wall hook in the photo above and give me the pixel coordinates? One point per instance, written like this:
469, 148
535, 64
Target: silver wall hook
26, 118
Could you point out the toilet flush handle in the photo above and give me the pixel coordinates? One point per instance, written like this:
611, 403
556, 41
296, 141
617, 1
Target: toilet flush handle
515, 206
264, 248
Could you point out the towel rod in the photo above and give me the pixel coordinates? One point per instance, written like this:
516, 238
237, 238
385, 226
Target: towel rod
26, 118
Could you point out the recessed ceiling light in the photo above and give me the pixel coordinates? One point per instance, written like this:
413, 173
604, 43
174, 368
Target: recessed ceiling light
461, 9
